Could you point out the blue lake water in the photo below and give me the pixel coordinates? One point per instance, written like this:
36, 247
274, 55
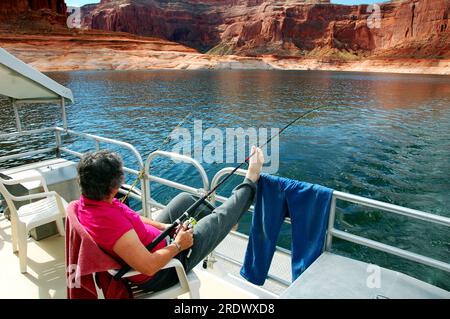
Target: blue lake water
388, 138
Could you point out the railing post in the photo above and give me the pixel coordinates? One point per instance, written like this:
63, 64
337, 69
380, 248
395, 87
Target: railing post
97, 145
58, 143
146, 185
331, 219
16, 115
64, 116
173, 156
144, 194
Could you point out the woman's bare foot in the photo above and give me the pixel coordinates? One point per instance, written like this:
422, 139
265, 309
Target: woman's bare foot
255, 164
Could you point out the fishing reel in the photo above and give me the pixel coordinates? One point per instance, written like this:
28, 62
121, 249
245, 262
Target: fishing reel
191, 222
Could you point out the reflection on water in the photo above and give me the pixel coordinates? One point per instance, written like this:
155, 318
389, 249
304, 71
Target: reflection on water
388, 138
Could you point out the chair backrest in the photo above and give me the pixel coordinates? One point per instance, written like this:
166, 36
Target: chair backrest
89, 243
89, 258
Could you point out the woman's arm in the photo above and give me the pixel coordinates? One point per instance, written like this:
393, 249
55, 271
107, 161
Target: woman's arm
135, 254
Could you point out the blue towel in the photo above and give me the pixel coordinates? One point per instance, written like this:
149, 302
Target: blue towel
308, 207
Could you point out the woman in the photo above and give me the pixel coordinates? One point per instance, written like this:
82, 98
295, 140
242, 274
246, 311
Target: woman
124, 234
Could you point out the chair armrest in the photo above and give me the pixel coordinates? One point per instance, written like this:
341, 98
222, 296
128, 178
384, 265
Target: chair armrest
34, 196
170, 293
15, 181
172, 263
181, 273
131, 273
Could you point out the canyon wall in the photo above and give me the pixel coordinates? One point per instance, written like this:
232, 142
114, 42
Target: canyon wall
38, 16
417, 28
17, 7
289, 28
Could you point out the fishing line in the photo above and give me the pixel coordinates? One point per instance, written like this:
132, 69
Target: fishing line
187, 214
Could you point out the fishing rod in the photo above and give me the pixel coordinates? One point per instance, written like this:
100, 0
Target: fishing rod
186, 215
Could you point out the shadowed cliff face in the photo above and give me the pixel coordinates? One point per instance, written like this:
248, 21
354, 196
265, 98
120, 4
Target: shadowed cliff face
417, 28
36, 15
16, 7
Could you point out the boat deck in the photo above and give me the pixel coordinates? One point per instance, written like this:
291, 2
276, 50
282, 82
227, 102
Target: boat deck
45, 278
331, 276
46, 272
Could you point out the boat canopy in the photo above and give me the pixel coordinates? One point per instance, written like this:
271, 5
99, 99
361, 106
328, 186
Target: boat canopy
23, 83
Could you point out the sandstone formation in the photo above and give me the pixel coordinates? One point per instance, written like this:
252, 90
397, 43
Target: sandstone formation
238, 34
16, 7
91, 50
412, 28
38, 15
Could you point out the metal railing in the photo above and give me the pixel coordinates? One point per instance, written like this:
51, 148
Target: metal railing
16, 103
216, 180
28, 153
145, 196
58, 149
333, 232
98, 140
163, 181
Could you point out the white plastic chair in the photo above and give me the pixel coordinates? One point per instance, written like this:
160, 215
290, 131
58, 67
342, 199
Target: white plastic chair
48, 209
189, 284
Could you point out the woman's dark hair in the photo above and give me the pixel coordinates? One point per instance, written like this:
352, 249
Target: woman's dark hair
99, 173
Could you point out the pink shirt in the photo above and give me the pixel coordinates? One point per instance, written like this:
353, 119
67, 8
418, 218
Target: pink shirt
106, 223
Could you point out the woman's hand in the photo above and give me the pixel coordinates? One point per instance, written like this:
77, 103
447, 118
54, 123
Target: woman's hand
255, 164
184, 237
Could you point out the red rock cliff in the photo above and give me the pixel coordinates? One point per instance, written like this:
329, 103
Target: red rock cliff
36, 16
16, 7
251, 27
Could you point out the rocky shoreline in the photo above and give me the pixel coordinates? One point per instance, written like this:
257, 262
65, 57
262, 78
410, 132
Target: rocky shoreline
112, 51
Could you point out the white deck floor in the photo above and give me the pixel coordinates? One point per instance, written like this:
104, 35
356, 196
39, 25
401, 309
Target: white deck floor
46, 278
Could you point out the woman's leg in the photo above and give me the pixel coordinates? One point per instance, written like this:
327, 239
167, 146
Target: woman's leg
166, 278
175, 208
210, 230
213, 228
163, 279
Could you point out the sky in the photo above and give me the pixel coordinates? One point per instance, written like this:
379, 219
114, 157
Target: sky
79, 3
